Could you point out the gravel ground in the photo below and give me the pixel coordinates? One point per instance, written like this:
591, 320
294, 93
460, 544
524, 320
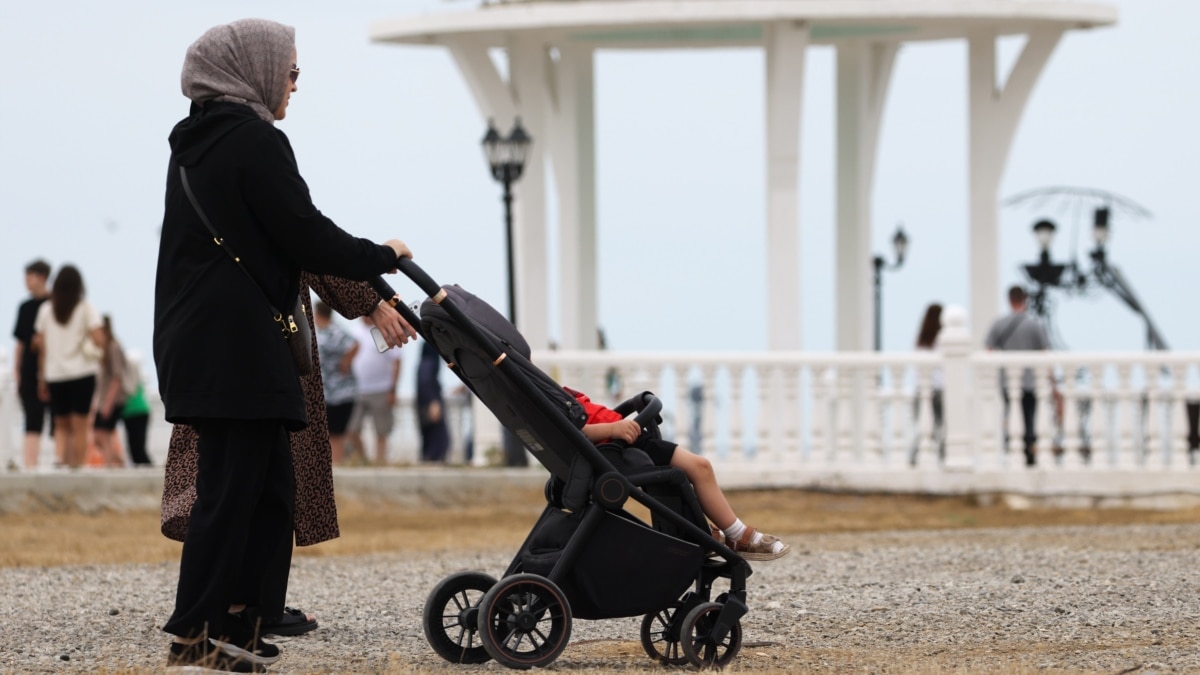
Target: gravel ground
1115, 599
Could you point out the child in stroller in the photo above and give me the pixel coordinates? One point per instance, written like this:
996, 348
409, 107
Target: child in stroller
604, 424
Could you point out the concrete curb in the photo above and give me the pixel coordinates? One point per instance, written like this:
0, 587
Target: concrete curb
92, 490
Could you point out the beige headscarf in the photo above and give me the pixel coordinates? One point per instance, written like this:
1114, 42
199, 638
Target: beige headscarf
242, 62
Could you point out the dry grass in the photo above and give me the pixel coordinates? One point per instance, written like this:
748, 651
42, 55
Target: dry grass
47, 537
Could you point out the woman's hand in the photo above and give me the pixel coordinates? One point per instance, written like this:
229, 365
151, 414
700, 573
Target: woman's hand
401, 249
395, 329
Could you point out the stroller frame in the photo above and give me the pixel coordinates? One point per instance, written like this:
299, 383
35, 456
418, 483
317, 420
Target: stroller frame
584, 542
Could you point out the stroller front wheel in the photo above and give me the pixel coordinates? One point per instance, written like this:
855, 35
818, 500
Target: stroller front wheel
700, 646
525, 621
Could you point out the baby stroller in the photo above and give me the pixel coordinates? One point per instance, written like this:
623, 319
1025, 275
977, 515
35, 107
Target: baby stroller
586, 557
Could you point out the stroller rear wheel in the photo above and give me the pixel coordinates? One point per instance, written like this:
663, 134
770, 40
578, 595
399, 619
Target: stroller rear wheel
451, 617
525, 621
660, 635
700, 647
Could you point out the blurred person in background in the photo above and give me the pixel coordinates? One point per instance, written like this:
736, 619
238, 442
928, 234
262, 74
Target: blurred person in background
377, 375
70, 342
336, 349
927, 340
135, 414
111, 395
25, 361
431, 407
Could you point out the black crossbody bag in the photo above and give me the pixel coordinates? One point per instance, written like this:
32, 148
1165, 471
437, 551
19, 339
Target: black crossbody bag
295, 332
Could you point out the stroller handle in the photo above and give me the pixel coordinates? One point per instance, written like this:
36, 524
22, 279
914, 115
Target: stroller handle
648, 406
423, 281
388, 295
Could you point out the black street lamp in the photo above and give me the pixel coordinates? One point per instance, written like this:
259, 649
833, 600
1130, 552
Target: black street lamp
506, 156
900, 246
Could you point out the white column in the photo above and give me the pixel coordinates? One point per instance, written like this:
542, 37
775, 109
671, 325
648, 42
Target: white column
524, 95
995, 110
863, 73
528, 84
573, 156
785, 48
490, 91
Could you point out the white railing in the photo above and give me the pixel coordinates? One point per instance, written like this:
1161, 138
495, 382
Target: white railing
776, 418
856, 409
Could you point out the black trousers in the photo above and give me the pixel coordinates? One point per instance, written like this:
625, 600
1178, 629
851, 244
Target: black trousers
135, 438
1029, 412
238, 547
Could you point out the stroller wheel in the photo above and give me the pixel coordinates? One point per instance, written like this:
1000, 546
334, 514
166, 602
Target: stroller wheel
660, 635
525, 621
451, 616
700, 647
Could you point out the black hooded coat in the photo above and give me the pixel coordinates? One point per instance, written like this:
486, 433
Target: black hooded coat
218, 351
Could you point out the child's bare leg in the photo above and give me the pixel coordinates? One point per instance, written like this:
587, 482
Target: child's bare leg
747, 541
704, 480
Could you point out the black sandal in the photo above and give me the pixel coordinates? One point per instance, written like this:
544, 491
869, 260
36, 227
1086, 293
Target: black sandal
292, 622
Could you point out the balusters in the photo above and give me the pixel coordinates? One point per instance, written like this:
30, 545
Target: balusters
737, 436
1071, 442
708, 417
1177, 443
989, 415
767, 439
920, 424
790, 422
1014, 424
899, 415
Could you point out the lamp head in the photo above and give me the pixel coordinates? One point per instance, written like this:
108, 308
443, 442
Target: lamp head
900, 243
1043, 231
1100, 231
493, 146
518, 144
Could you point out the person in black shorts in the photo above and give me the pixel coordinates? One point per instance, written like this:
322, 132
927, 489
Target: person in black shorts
25, 361
336, 348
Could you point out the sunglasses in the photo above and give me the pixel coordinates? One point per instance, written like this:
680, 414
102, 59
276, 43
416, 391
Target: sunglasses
294, 74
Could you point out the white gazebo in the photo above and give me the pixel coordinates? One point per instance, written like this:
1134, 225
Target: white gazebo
550, 45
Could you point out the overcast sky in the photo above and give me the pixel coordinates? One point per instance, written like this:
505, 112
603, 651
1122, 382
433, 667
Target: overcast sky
388, 139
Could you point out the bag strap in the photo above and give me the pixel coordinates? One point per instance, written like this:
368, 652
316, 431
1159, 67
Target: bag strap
1012, 328
290, 324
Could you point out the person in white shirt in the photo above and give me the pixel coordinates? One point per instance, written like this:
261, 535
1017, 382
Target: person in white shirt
377, 375
70, 342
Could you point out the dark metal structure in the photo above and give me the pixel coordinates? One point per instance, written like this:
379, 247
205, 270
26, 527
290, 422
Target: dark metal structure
899, 246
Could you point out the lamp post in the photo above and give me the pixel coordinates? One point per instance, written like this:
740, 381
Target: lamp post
506, 157
899, 246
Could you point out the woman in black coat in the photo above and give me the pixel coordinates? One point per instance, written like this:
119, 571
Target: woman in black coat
223, 364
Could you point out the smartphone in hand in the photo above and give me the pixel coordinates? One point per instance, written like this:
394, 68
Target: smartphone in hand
380, 342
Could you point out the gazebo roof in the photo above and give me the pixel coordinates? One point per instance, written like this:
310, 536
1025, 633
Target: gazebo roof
640, 24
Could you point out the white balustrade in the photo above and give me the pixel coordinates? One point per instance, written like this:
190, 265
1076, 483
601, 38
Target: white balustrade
778, 415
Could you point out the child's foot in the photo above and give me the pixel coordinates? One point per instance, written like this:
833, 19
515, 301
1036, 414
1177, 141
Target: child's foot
754, 545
